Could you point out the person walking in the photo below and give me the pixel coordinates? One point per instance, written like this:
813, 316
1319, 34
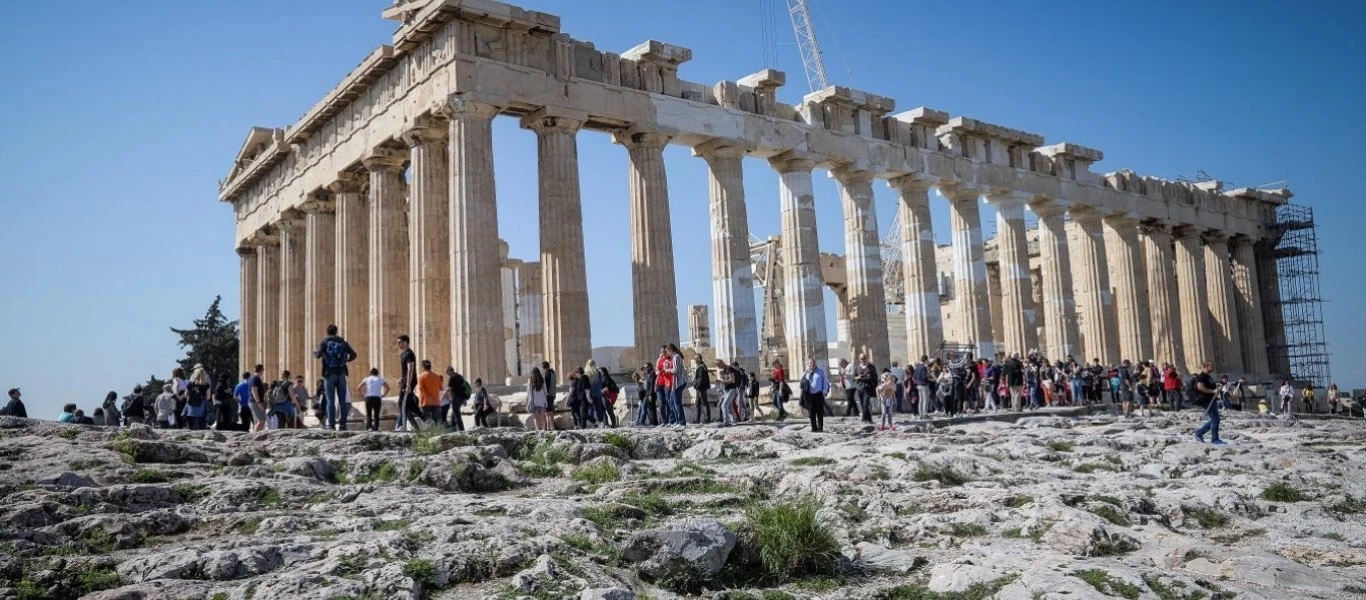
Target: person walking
1308, 395
1205, 389
245, 396
814, 387
458, 392
15, 406
680, 382
701, 384
281, 412
749, 390
849, 382
664, 378
335, 352
552, 384
429, 392
299, 394
196, 398
165, 403
1332, 398
646, 413
179, 388
483, 404
610, 391
1171, 387
730, 391
886, 393
899, 374
407, 383
536, 401
867, 386
1287, 394
373, 388
777, 381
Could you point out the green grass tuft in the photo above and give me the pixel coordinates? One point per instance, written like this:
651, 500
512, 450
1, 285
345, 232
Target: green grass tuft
1019, 501
791, 540
1108, 584
269, 497
149, 476
619, 440
1283, 492
977, 591
425, 440
598, 474
249, 526
1206, 517
967, 530
1109, 513
943, 474
393, 525
422, 571
812, 461
1060, 446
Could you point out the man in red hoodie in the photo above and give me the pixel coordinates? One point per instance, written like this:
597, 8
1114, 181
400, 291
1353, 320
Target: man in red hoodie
664, 378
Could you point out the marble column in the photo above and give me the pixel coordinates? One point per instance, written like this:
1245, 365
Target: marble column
351, 297
429, 244
863, 267
389, 279
531, 314
511, 363
970, 299
1061, 339
293, 263
320, 272
1223, 307
1091, 275
562, 278
1130, 285
268, 304
655, 299
249, 344
804, 287
732, 281
1273, 318
842, 339
924, 321
1253, 334
699, 327
1190, 284
476, 267
1165, 321
1017, 294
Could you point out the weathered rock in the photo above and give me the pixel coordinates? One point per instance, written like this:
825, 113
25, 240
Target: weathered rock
695, 546
614, 593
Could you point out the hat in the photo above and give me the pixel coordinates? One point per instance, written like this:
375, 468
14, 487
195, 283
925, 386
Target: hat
13, 391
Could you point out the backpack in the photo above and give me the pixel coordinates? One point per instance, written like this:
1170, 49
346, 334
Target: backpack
196, 394
1192, 390
282, 393
465, 390
334, 354
609, 383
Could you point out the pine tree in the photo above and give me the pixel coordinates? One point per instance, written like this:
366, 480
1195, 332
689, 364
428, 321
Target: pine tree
211, 342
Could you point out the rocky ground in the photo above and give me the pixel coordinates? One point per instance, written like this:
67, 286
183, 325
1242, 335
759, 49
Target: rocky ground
1042, 508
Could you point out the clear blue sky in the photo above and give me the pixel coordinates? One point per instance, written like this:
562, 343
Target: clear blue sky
119, 119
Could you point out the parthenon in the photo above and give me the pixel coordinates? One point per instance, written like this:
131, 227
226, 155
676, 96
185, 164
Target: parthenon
329, 229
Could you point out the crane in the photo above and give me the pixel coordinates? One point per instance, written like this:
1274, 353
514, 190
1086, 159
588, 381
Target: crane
807, 46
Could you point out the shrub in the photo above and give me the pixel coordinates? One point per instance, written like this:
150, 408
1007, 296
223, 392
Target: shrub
1283, 492
537, 470
791, 541
189, 492
943, 474
1086, 468
812, 461
967, 530
422, 571
1109, 513
652, 503
1349, 506
149, 476
425, 440
1169, 592
249, 526
598, 474
1018, 501
619, 440
977, 591
1206, 517
269, 497
1108, 584
393, 525
1060, 446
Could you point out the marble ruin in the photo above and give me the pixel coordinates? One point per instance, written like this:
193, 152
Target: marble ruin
329, 229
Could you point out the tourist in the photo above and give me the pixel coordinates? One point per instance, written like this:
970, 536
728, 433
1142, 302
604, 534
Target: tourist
180, 388
578, 398
991, 383
1308, 395
749, 385
196, 398
814, 386
429, 392
483, 404
68, 413
645, 391
778, 388
1204, 388
886, 392
680, 381
245, 400
730, 391
701, 384
110, 410
848, 382
457, 393
536, 401
15, 407
335, 352
1154, 387
1013, 372
1033, 389
552, 382
258, 398
407, 383
1125, 376
920, 376
133, 409
1332, 398
1171, 387
867, 386
972, 382
298, 394
373, 388
597, 410
664, 378
899, 374
79, 418
165, 404
225, 407
1287, 394
609, 397
281, 414
98, 417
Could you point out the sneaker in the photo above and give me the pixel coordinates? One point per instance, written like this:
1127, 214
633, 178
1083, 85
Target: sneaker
1200, 438
881, 428
1219, 443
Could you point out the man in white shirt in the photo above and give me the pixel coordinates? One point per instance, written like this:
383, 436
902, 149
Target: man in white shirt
373, 389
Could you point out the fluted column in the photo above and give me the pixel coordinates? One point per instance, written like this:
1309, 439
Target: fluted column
804, 288
429, 243
1017, 293
477, 310
268, 302
863, 267
736, 334
320, 272
924, 322
1165, 322
531, 314
562, 278
293, 263
1130, 285
1273, 319
655, 297
1253, 334
1190, 284
1061, 339
1223, 307
512, 363
1092, 278
249, 345
351, 297
389, 279
970, 269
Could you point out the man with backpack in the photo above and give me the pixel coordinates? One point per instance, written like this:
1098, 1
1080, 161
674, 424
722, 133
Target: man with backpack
458, 393
1204, 389
335, 352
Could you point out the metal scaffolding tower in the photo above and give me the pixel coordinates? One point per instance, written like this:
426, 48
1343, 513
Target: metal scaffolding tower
1301, 304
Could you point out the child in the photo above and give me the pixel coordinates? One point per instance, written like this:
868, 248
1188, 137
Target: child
886, 392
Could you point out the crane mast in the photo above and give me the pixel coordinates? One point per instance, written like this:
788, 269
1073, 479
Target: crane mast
807, 46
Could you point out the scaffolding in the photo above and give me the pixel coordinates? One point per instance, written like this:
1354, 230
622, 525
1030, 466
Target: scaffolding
1301, 304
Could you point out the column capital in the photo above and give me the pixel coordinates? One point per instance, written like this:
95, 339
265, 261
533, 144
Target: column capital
430, 130
641, 137
554, 119
851, 175
1008, 197
291, 221
1082, 212
718, 148
385, 159
1154, 227
246, 250
1181, 230
1120, 219
1044, 206
913, 182
467, 105
319, 201
1214, 237
347, 182
267, 235
792, 161
959, 192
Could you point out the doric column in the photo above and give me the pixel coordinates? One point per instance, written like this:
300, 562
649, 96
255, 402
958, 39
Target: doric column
1165, 322
1017, 294
1061, 339
863, 267
268, 302
293, 263
320, 272
351, 297
477, 310
1273, 319
1095, 304
1223, 308
1253, 334
562, 278
389, 280
842, 341
924, 322
804, 288
507, 272
1130, 284
429, 243
249, 345
531, 314
970, 300
655, 299
1190, 284
732, 281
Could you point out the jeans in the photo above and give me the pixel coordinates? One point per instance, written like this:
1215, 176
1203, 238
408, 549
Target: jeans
1076, 391
864, 402
432, 413
727, 406
1016, 398
665, 406
778, 400
924, 390
850, 402
599, 410
900, 398
481, 416
645, 410
699, 404
1211, 426
457, 422
676, 407
579, 410
334, 394
815, 410
372, 405
888, 408
195, 423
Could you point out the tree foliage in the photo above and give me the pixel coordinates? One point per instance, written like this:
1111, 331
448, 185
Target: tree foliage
212, 342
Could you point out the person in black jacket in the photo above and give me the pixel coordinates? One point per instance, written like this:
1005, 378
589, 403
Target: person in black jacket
867, 386
701, 382
335, 352
15, 406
